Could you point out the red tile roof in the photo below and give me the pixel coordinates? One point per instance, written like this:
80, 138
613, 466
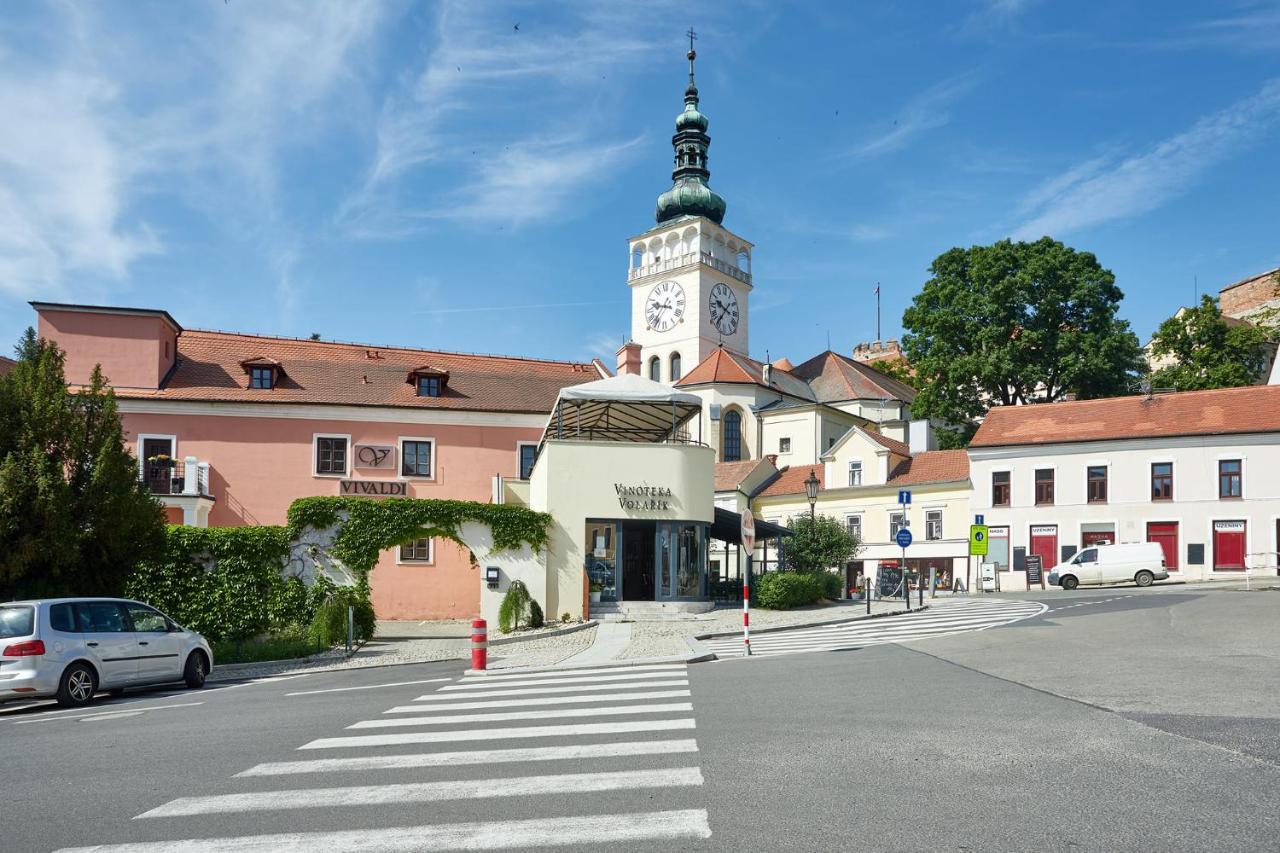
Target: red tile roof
722, 366
1225, 411
932, 466
835, 378
892, 443
6, 364
729, 475
790, 481
323, 372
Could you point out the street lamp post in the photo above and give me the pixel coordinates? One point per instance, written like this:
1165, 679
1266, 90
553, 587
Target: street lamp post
811, 490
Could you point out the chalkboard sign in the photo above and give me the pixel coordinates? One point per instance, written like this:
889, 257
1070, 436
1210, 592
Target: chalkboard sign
1035, 570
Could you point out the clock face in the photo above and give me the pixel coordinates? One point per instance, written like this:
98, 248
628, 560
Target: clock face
665, 306
723, 308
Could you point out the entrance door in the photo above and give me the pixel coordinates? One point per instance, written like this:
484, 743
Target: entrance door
158, 465
637, 561
1044, 541
1166, 533
1228, 545
602, 558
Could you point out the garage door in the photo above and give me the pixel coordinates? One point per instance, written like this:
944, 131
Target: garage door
1044, 541
1165, 533
1228, 545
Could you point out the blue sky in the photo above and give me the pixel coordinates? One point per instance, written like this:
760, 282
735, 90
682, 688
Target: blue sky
426, 174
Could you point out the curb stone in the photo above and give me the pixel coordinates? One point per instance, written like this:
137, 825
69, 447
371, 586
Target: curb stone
841, 621
544, 635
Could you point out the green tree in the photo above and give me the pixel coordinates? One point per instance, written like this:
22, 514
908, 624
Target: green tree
1208, 351
74, 518
897, 368
818, 544
1015, 323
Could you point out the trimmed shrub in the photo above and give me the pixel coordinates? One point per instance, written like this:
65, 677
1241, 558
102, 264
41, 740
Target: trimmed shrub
514, 607
329, 626
832, 585
784, 590
536, 619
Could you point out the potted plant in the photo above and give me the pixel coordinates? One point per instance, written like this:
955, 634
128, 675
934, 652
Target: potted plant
596, 589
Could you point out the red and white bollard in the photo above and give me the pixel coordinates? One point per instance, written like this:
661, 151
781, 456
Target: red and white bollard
746, 618
479, 644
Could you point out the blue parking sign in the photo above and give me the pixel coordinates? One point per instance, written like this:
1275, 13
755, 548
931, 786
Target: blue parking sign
903, 538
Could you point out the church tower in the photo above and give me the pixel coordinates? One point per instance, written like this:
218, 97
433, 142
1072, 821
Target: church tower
690, 277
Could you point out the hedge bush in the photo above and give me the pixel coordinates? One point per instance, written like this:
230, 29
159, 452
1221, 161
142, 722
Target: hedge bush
329, 625
784, 590
832, 585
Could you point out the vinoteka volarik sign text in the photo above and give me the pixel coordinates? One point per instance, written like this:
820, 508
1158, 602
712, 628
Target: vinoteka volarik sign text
643, 497
374, 488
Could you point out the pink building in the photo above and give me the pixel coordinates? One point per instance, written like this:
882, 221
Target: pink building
229, 429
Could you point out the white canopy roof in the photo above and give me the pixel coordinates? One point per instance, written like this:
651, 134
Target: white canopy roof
622, 408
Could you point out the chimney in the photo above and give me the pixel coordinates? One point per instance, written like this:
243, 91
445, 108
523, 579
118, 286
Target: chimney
629, 359
920, 437
767, 373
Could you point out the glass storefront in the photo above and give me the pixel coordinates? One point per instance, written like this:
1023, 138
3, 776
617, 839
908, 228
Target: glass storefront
647, 560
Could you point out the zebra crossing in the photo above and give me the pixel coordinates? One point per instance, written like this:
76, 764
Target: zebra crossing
592, 757
940, 619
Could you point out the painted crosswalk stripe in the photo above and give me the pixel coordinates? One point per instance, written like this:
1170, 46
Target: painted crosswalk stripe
428, 792
537, 701
506, 716
481, 684
557, 673
540, 691
365, 687
572, 752
571, 730
593, 830
950, 623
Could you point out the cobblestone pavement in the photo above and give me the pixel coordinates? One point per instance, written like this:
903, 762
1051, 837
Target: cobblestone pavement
545, 652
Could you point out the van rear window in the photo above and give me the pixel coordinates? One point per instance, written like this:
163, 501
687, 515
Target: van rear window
60, 618
17, 622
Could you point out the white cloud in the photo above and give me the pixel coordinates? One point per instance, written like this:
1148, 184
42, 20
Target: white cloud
925, 111
1106, 189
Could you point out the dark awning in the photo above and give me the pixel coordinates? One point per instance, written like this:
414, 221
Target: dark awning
727, 527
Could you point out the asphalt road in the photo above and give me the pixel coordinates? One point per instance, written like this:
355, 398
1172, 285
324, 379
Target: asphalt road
1119, 719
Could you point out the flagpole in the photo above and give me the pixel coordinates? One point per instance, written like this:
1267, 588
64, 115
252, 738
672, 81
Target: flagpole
877, 311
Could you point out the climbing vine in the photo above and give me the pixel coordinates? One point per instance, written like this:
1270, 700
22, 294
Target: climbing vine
371, 526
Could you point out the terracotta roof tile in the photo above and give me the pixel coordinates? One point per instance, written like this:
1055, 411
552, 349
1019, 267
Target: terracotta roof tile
835, 378
6, 364
731, 368
932, 466
892, 443
729, 475
790, 481
1225, 411
209, 369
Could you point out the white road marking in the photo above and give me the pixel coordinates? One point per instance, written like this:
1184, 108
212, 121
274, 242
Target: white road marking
586, 751
537, 700
428, 792
558, 673
592, 830
540, 691
366, 687
106, 711
615, 727
504, 716
565, 678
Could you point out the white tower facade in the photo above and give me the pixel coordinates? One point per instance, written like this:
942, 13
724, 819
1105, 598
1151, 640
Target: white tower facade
690, 285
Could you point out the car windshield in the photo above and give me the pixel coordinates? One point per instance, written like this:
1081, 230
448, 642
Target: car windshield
17, 621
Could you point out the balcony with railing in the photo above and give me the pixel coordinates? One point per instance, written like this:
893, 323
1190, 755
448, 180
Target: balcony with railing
689, 259
180, 483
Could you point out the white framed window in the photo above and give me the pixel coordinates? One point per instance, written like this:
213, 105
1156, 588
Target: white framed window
853, 524
330, 454
855, 473
897, 521
417, 458
784, 444
418, 552
526, 455
933, 524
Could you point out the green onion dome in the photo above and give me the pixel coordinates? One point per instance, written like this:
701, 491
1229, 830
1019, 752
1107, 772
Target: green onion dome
689, 194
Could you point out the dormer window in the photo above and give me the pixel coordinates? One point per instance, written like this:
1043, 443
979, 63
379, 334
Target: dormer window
428, 381
264, 373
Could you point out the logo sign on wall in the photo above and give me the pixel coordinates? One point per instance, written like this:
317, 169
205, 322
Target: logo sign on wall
379, 457
374, 488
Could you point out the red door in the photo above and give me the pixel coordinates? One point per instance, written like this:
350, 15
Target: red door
1166, 533
1044, 541
1228, 545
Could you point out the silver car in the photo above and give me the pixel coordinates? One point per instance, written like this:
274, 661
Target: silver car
70, 648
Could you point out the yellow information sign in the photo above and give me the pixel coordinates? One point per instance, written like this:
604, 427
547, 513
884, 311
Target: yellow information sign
978, 540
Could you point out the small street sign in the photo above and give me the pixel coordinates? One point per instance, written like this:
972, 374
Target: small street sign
978, 540
904, 537
904, 496
979, 519
748, 530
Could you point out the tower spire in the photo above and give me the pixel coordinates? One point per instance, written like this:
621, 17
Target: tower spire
689, 194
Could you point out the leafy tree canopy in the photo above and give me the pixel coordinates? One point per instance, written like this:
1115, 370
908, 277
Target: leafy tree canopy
1016, 323
818, 544
1208, 351
74, 517
897, 368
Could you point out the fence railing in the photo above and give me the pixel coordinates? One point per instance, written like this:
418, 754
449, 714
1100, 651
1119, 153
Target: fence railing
176, 476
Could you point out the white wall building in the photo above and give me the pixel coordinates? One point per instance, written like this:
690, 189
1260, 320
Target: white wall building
1198, 472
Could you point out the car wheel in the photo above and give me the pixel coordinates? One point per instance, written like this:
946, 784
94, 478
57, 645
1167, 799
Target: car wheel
1070, 582
1143, 578
78, 684
195, 671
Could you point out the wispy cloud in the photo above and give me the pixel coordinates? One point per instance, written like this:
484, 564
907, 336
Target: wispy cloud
923, 112
992, 16
545, 97
1107, 189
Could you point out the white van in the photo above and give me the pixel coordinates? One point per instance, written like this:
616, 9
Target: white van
1139, 562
